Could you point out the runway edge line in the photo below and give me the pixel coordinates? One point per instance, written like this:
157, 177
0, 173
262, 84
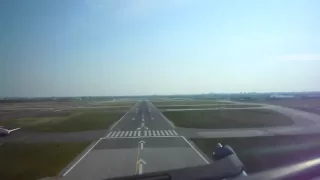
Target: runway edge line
64, 174
171, 123
122, 117
202, 157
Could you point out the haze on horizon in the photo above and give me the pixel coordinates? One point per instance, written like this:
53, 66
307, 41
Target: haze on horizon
136, 47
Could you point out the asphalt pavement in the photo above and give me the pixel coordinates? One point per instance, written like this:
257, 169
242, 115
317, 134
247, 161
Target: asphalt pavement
143, 140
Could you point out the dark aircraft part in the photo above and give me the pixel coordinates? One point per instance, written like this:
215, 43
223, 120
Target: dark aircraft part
222, 152
226, 153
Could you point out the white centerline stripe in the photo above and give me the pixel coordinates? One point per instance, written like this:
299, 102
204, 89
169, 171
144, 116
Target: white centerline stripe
205, 160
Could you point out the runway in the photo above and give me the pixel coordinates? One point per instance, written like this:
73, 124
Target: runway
143, 140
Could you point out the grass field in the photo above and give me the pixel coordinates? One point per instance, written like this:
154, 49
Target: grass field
114, 103
104, 108
188, 102
262, 153
219, 119
206, 106
77, 121
34, 161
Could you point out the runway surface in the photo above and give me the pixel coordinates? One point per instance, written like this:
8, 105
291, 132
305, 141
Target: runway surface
143, 140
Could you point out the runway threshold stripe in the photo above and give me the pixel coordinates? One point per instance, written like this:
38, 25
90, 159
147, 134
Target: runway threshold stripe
165, 131
162, 134
109, 134
113, 133
174, 132
144, 133
133, 137
118, 133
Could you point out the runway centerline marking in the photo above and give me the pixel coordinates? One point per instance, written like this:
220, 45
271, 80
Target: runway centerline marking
138, 156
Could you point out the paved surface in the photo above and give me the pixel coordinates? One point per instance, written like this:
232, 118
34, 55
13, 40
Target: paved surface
141, 141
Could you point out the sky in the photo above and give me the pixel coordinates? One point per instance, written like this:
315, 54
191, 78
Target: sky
143, 47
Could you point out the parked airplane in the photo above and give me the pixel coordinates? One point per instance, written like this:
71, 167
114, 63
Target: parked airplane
4, 131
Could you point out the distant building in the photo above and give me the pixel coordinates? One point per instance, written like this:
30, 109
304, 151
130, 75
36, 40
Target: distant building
280, 96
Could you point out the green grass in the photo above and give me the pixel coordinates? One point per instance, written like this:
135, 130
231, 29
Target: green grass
188, 102
219, 119
38, 160
206, 106
77, 121
104, 108
116, 103
262, 153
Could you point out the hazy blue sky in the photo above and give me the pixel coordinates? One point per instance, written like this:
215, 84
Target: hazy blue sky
123, 47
